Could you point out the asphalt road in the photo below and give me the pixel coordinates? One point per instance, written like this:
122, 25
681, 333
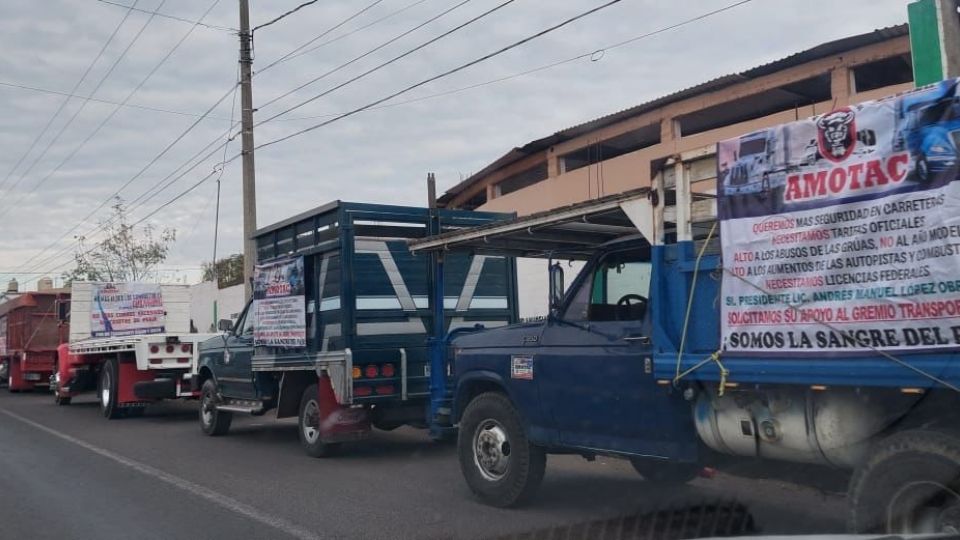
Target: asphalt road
65, 472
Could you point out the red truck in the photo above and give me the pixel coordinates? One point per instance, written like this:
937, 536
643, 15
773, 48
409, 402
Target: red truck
30, 331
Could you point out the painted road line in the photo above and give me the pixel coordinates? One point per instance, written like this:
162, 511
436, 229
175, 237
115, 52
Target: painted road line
210, 495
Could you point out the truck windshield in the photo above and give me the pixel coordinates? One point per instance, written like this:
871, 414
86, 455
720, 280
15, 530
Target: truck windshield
752, 146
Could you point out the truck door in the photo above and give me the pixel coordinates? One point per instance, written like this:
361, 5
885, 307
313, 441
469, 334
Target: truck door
593, 365
234, 376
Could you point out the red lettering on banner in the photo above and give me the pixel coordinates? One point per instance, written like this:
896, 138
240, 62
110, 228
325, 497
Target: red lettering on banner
846, 180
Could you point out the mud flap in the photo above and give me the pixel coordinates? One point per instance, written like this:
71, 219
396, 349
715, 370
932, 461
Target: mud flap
339, 423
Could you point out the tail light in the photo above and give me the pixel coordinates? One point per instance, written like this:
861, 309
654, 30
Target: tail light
183, 360
371, 371
387, 370
154, 349
156, 361
357, 373
169, 349
186, 347
362, 391
384, 389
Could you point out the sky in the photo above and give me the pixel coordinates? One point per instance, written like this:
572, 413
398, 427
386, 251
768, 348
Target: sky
63, 157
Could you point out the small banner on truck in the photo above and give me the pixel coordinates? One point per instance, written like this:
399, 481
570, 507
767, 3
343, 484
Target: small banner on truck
841, 233
280, 318
126, 309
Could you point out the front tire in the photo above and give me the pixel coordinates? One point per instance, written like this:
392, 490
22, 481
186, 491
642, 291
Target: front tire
309, 425
908, 483
665, 473
213, 422
501, 466
107, 390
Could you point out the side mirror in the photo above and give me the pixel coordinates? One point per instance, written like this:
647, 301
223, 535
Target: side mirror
225, 325
556, 288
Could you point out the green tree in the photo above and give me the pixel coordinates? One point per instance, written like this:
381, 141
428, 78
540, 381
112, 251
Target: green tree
227, 271
125, 254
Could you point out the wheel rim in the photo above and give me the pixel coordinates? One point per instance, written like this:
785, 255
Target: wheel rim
105, 389
491, 450
924, 507
206, 409
311, 422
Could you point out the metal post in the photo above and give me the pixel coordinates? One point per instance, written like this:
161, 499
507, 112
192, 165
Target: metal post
934, 40
246, 138
439, 406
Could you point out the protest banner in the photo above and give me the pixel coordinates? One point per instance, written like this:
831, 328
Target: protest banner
841, 233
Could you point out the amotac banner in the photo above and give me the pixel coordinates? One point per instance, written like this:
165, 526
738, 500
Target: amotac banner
279, 305
126, 309
841, 233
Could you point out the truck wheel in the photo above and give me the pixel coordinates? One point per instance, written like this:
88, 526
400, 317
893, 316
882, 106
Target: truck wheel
501, 466
309, 425
213, 422
665, 472
908, 483
107, 390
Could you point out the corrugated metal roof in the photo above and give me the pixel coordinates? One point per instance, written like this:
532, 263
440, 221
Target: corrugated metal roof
815, 53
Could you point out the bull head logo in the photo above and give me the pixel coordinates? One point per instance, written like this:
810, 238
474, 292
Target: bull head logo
836, 134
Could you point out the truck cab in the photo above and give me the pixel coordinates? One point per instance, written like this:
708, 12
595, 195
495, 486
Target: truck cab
583, 377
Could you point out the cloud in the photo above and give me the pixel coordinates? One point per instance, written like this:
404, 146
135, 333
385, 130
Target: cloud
377, 156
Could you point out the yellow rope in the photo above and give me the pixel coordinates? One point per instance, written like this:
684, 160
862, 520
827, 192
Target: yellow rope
693, 288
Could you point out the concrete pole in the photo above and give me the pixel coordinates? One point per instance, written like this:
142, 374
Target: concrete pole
246, 138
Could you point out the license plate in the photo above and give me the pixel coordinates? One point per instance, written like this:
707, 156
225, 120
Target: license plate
31, 376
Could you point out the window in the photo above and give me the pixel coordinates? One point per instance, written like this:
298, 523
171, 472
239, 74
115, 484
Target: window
617, 290
881, 73
245, 325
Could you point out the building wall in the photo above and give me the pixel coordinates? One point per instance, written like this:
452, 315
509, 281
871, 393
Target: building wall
635, 169
208, 304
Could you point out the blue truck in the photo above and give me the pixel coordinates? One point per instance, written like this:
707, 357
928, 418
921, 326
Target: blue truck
367, 314
929, 127
627, 364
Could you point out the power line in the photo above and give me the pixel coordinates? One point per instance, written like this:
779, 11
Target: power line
63, 104
593, 55
104, 101
113, 113
154, 160
383, 64
166, 16
290, 54
283, 15
146, 196
444, 74
374, 103
83, 104
294, 54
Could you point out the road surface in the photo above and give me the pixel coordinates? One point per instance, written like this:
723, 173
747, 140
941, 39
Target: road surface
65, 472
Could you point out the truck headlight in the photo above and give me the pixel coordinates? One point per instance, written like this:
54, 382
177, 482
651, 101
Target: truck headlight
940, 149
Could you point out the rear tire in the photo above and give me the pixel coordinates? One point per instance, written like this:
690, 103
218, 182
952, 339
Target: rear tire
907, 483
309, 425
213, 422
501, 466
107, 390
665, 472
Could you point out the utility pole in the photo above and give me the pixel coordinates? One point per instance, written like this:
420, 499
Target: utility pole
934, 40
246, 139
